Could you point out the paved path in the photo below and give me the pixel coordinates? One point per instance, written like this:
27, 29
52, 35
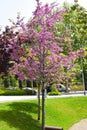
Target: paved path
16, 98
82, 125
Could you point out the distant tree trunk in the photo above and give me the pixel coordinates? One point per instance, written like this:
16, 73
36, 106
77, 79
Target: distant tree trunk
11, 81
6, 83
20, 84
67, 85
28, 83
34, 84
85, 78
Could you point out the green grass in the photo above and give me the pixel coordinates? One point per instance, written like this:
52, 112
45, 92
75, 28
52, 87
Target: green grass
65, 112
19, 116
62, 112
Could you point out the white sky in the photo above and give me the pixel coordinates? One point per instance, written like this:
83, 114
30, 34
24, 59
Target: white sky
9, 8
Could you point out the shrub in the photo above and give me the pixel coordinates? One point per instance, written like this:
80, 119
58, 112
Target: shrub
1, 91
54, 93
54, 89
31, 92
16, 92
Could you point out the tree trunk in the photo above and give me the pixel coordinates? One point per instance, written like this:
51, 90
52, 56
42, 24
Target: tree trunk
43, 106
83, 80
38, 95
67, 85
28, 83
20, 84
6, 83
34, 84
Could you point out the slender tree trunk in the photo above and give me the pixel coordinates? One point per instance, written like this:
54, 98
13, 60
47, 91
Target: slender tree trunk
38, 95
83, 77
32, 86
67, 85
43, 106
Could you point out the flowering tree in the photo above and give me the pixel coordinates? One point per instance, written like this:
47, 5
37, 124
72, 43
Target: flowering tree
38, 48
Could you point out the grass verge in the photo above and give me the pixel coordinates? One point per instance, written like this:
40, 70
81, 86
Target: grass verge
62, 112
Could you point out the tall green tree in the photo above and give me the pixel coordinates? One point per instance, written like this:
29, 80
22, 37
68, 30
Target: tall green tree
75, 19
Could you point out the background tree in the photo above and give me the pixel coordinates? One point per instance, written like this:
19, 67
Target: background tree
74, 19
5, 55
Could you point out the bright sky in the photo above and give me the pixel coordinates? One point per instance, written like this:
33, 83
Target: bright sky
9, 8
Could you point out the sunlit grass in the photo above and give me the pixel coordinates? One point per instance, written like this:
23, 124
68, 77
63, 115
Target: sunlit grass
62, 112
65, 112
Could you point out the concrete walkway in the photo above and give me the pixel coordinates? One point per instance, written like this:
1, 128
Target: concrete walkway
82, 125
17, 98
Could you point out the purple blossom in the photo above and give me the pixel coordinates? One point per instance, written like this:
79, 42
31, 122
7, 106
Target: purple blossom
37, 50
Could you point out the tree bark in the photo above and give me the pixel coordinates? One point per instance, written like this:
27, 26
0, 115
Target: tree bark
38, 95
43, 106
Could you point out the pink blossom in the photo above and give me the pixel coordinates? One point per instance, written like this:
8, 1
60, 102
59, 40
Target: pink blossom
38, 49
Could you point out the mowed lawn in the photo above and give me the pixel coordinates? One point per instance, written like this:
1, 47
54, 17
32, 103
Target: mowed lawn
62, 112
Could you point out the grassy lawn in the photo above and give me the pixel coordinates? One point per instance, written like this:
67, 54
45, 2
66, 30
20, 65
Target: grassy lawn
61, 112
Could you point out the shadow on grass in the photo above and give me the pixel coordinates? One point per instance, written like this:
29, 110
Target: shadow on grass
21, 115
